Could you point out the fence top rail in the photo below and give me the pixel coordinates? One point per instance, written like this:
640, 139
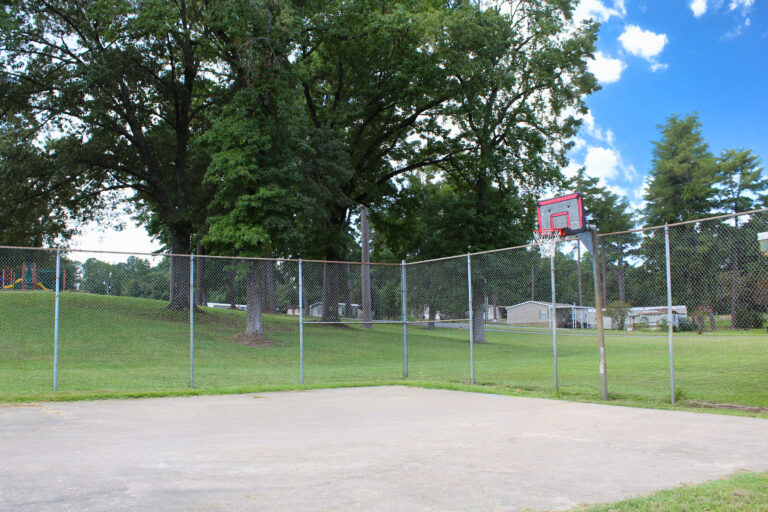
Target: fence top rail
685, 222
182, 255
250, 258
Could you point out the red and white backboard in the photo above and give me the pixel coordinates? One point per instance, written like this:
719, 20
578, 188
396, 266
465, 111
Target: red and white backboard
564, 212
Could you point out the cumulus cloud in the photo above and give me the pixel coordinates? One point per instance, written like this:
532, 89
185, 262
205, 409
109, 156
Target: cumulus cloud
606, 69
699, 7
595, 151
597, 10
745, 4
642, 43
602, 162
658, 66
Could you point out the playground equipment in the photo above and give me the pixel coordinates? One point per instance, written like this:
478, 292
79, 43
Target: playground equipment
30, 278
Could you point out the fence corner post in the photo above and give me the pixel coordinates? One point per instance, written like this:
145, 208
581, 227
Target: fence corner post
301, 325
670, 326
405, 319
191, 320
56, 323
471, 323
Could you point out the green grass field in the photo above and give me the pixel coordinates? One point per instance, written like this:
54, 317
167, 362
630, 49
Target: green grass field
743, 492
119, 346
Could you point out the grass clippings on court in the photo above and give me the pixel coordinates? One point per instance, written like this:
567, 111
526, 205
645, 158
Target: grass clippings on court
743, 492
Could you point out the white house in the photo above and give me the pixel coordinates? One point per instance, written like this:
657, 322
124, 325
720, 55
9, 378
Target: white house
654, 316
534, 312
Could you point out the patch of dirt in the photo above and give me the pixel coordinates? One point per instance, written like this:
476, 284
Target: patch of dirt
727, 406
339, 325
253, 340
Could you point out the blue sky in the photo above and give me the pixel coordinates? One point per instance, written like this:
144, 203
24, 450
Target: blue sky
658, 58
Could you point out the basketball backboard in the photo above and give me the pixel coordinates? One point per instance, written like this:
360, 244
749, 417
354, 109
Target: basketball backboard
564, 212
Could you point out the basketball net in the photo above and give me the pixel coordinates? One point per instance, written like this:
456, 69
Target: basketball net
547, 240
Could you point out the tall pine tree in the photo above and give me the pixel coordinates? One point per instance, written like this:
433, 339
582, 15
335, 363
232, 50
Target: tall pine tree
682, 177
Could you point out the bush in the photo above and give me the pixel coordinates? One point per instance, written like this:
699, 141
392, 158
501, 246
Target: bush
684, 325
748, 319
618, 311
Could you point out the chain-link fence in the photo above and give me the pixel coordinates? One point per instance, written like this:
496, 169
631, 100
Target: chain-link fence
684, 317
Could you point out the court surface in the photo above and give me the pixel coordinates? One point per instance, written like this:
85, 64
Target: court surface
384, 448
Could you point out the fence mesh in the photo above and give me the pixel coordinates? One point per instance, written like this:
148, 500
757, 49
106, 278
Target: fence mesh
125, 323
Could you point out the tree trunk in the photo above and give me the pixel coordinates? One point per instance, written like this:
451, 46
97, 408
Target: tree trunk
170, 280
581, 292
254, 325
179, 270
495, 307
602, 264
304, 302
366, 270
200, 296
478, 313
330, 292
431, 317
348, 304
268, 270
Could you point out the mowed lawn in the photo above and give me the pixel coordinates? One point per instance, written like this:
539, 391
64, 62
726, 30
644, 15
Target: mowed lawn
129, 345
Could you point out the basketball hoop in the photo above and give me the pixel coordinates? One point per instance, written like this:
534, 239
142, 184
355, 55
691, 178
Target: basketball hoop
547, 240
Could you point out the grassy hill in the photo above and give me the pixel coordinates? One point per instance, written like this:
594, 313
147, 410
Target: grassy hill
125, 345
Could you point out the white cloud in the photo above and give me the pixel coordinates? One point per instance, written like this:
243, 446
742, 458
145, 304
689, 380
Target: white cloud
658, 66
602, 162
746, 4
699, 7
638, 201
578, 144
606, 69
643, 43
571, 169
597, 10
619, 191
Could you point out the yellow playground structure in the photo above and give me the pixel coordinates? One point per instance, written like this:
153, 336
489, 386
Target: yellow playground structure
29, 277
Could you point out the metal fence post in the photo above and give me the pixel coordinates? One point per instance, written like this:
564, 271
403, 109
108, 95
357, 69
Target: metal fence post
471, 324
553, 316
599, 314
301, 325
56, 323
405, 320
670, 326
191, 320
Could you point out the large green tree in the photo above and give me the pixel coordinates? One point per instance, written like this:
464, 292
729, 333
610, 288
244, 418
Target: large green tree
120, 91
739, 184
681, 187
405, 85
682, 177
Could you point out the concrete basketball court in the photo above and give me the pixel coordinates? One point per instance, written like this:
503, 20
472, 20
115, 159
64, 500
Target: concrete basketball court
370, 449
